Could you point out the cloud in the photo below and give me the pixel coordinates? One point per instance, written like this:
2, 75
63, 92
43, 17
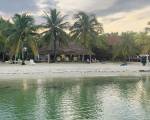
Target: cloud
4, 15
99, 7
126, 21
116, 15
84, 5
13, 6
124, 6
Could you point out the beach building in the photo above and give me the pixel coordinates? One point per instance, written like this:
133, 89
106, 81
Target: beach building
71, 52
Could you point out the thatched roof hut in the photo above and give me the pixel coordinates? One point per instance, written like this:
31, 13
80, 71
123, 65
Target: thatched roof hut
72, 48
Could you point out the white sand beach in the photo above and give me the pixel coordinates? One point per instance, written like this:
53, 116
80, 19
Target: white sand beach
40, 70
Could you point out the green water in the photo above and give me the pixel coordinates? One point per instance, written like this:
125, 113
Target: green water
112, 98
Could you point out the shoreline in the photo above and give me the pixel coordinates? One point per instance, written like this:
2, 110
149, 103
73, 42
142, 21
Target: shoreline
45, 70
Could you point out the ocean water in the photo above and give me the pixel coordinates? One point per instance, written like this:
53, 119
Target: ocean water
103, 98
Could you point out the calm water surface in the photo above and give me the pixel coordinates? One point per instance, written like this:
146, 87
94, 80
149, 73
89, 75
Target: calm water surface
112, 98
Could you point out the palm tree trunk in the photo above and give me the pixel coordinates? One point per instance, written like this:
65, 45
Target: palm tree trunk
3, 57
55, 46
82, 58
23, 61
90, 58
49, 58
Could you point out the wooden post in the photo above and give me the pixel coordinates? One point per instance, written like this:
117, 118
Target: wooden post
78, 58
90, 58
82, 58
147, 60
129, 59
38, 57
3, 57
48, 58
70, 59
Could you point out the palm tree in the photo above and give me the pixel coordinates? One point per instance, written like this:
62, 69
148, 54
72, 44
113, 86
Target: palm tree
85, 30
55, 34
4, 25
23, 32
2, 45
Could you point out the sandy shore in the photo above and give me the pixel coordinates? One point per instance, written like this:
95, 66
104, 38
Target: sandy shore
9, 71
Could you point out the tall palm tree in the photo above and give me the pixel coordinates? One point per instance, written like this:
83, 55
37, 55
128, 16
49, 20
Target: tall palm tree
4, 25
23, 34
55, 34
86, 29
3, 40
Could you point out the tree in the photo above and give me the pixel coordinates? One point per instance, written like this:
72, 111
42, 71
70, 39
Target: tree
55, 34
147, 29
143, 42
22, 34
2, 45
86, 29
126, 46
102, 50
4, 25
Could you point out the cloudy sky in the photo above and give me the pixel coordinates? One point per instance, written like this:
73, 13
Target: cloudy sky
116, 15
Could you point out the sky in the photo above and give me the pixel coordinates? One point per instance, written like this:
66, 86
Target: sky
115, 15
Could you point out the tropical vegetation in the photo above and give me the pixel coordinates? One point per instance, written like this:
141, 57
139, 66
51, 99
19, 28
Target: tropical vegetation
21, 32
55, 34
86, 30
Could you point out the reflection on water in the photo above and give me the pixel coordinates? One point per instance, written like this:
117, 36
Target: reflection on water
107, 98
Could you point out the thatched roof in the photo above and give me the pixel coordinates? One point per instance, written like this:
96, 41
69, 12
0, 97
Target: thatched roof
72, 48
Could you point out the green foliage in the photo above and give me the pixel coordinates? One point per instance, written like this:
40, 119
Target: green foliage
101, 42
2, 43
143, 41
86, 29
22, 34
55, 34
4, 25
126, 46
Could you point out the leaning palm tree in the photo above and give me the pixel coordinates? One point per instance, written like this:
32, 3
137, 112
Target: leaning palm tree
55, 34
22, 34
86, 29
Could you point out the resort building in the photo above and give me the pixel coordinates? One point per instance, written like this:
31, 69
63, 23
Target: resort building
71, 52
